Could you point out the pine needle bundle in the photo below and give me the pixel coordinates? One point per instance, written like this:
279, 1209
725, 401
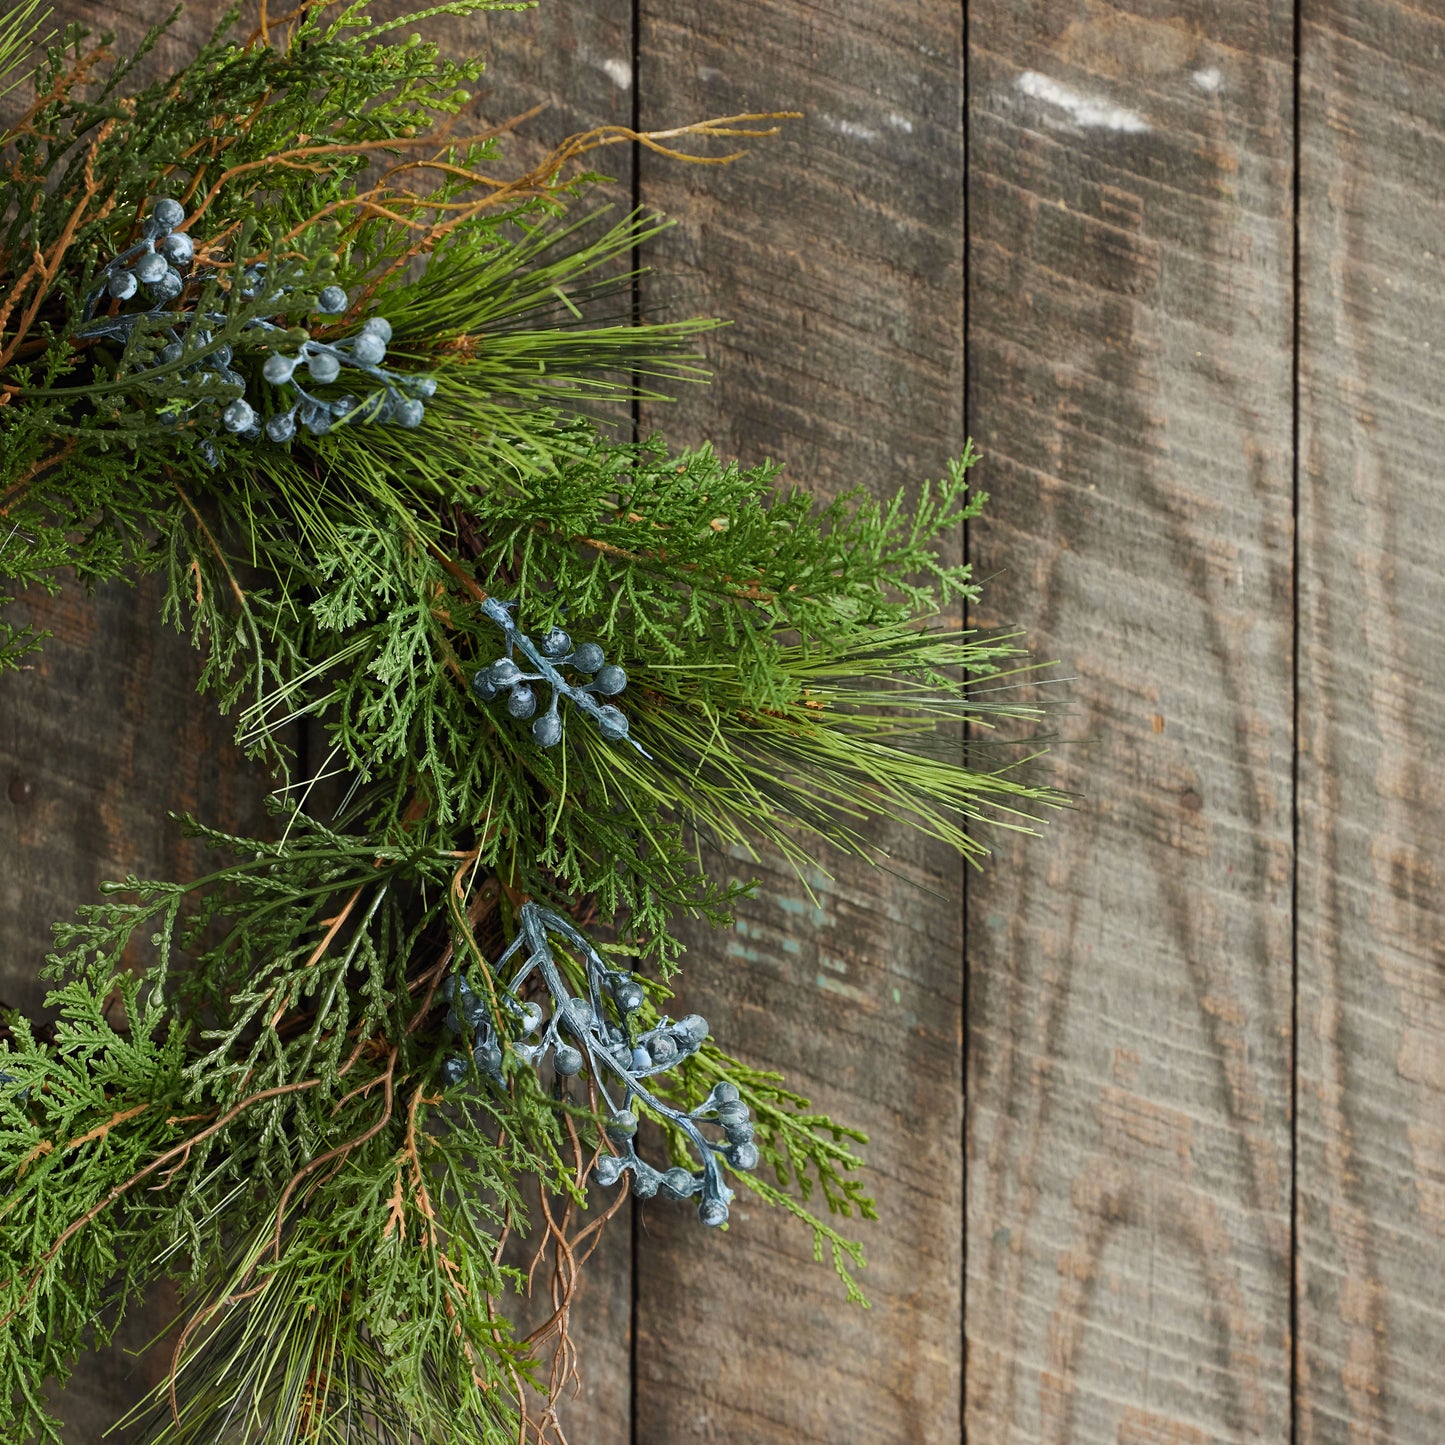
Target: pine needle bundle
276, 328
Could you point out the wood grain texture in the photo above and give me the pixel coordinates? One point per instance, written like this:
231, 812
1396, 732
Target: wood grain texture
107, 733
836, 252
99, 740
1371, 1264
576, 61
1129, 372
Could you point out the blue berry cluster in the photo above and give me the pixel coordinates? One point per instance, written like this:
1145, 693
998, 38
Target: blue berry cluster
159, 261
324, 362
598, 1031
507, 678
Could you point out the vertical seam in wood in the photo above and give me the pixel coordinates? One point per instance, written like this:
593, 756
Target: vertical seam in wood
635, 261
1293, 1264
966, 1025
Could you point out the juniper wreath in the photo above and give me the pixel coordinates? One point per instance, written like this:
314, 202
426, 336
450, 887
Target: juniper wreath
278, 328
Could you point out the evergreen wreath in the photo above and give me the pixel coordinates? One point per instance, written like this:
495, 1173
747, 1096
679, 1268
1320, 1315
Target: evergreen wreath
272, 328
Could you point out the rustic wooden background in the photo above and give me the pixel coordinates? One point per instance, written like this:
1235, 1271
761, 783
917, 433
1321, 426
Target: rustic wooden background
1158, 1101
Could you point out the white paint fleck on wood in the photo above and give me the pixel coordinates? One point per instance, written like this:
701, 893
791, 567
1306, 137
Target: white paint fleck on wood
1087, 111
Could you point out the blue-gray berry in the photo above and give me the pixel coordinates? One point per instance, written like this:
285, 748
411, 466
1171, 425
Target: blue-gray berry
567, 1060
331, 301
611, 680
166, 213
743, 1156
547, 730
483, 685
629, 995
122, 285
555, 642
378, 326
588, 658
453, 1071
678, 1183
612, 723
609, 1170
178, 249
713, 1212
622, 1126
281, 427
410, 413
278, 369
323, 366
521, 702
369, 348
692, 1029
238, 416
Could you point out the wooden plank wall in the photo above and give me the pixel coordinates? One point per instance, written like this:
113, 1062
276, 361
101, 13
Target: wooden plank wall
1130, 370
1370, 1263
1178, 268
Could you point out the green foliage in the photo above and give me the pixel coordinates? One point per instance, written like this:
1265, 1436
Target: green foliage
241, 1091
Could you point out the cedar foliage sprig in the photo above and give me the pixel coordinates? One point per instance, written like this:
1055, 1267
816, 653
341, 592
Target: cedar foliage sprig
242, 1090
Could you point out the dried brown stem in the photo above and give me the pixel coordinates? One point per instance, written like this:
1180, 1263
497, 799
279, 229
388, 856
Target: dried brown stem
180, 1152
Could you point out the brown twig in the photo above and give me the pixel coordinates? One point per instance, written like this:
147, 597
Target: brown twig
339, 1152
317, 953
180, 1151
78, 74
12, 494
214, 545
44, 267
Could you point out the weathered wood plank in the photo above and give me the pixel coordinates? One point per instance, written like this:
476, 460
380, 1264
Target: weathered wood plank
577, 62
88, 798
836, 252
1130, 387
1371, 1223
99, 740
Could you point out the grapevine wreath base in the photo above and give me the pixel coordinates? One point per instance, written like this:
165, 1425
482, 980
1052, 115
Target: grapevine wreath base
279, 329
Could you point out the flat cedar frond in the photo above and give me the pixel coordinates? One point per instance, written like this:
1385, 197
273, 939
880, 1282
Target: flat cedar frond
280, 328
